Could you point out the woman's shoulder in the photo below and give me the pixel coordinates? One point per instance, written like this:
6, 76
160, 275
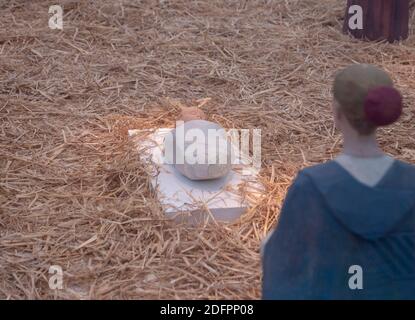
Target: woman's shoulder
310, 179
401, 174
326, 170
405, 166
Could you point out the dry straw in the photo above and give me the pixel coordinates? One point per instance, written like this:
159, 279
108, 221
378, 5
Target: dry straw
72, 189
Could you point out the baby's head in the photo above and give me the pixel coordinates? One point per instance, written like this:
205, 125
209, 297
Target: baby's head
191, 113
365, 97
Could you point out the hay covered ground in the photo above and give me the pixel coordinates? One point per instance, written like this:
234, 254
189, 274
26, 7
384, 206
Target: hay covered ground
72, 191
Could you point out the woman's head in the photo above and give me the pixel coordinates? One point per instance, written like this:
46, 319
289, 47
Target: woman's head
364, 95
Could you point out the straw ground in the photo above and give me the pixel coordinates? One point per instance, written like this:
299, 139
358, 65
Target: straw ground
72, 190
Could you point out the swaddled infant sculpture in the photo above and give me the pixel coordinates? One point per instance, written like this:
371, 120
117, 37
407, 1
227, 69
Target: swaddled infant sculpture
197, 148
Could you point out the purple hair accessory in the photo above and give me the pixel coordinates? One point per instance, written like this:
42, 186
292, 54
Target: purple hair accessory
383, 106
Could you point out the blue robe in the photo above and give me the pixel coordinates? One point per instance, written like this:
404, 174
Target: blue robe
329, 223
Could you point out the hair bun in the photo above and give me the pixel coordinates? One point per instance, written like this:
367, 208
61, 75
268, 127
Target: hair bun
383, 106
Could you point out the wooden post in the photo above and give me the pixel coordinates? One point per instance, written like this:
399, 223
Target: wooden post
382, 19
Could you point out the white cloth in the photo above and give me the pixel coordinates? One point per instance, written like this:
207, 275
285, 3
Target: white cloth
368, 171
199, 150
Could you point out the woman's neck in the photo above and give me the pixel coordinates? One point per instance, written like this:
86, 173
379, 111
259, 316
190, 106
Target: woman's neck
361, 146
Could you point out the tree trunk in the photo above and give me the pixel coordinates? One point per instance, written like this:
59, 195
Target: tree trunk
382, 19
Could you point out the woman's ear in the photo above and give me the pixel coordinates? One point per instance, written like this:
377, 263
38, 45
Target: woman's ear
337, 114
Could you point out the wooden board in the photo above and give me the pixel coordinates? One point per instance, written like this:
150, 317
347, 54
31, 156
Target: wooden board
197, 202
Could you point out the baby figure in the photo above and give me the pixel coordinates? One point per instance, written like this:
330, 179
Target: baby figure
197, 148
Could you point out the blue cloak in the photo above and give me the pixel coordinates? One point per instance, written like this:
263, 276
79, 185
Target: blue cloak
329, 223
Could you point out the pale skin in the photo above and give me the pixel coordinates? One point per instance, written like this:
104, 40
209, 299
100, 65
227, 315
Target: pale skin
191, 113
354, 143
